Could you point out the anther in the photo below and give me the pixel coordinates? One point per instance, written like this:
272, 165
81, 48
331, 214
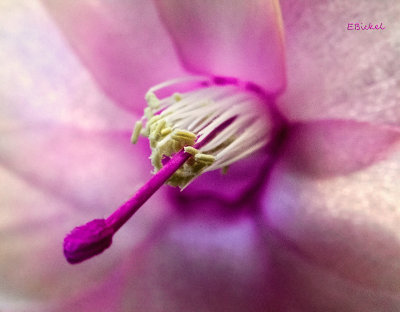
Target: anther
152, 100
166, 131
136, 132
191, 150
208, 159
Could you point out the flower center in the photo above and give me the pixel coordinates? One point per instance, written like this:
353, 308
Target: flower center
179, 120
208, 125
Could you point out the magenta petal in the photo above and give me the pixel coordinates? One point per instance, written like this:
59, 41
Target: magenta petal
337, 147
231, 38
122, 43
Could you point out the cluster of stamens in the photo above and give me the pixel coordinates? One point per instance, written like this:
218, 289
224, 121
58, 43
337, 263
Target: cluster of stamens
182, 119
210, 125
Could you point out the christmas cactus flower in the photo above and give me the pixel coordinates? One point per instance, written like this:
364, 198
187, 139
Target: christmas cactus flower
282, 166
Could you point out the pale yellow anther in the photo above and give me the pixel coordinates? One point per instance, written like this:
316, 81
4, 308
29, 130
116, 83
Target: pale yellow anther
136, 132
156, 161
153, 120
166, 131
149, 124
148, 113
204, 158
183, 141
153, 143
177, 97
184, 133
191, 150
156, 133
152, 100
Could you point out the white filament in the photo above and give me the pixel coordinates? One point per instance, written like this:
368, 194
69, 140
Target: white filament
199, 112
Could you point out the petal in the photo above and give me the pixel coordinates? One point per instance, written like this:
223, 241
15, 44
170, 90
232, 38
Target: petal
328, 148
238, 185
338, 73
65, 159
242, 39
299, 284
205, 264
122, 43
192, 265
41, 80
345, 223
53, 179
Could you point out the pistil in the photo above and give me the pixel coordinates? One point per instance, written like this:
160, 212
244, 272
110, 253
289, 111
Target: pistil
95, 236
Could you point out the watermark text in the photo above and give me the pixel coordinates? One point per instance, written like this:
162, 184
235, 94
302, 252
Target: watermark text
362, 26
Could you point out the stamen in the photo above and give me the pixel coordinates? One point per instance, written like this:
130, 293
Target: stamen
191, 150
180, 119
136, 132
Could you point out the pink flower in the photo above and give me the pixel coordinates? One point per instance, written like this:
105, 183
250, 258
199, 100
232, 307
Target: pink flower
310, 226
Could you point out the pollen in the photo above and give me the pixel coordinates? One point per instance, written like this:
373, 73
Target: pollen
182, 120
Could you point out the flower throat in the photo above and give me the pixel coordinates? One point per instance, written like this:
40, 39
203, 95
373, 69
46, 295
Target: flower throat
194, 125
182, 119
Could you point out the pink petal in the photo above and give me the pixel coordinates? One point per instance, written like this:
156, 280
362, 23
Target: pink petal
192, 266
344, 223
199, 263
122, 43
338, 73
327, 148
41, 80
65, 158
242, 39
53, 179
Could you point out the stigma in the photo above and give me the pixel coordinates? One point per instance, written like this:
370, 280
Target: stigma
175, 119
194, 125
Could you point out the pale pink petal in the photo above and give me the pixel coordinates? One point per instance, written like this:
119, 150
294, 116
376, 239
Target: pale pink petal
243, 39
338, 73
344, 222
65, 158
192, 265
202, 263
122, 43
327, 148
53, 179
42, 81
